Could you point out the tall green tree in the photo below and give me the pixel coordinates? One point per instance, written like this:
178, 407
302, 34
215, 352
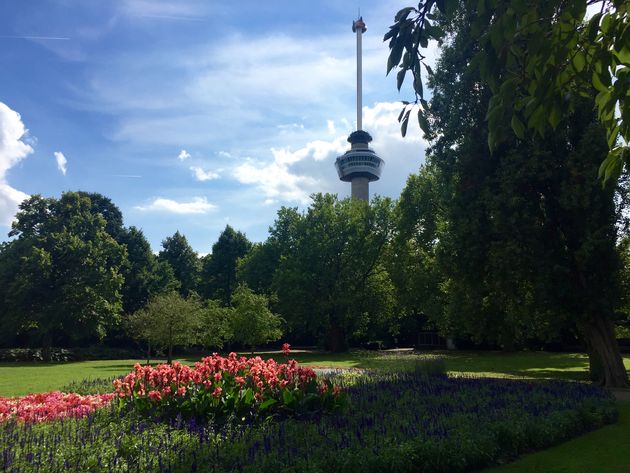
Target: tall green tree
177, 252
144, 274
522, 228
61, 278
329, 268
218, 276
412, 257
256, 269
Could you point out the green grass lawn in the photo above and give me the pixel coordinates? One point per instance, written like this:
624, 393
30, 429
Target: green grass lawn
23, 378
606, 450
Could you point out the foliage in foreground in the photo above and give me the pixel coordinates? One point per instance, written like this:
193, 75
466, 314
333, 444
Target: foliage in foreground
397, 422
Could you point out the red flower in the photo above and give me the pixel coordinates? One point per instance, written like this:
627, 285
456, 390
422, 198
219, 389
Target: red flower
286, 349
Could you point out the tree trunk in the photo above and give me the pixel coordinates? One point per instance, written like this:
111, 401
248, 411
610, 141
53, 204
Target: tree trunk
606, 366
169, 359
148, 353
336, 339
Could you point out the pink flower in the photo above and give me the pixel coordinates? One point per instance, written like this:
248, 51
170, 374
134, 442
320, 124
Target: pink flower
155, 395
286, 349
51, 406
181, 391
217, 392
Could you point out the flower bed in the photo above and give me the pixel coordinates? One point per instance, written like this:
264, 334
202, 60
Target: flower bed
50, 406
220, 387
395, 423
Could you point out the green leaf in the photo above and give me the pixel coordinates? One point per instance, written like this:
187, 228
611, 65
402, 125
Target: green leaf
579, 61
607, 22
402, 14
287, 397
623, 54
396, 50
393, 31
405, 122
401, 114
423, 122
248, 396
554, 116
612, 166
417, 85
268, 403
518, 127
400, 78
612, 136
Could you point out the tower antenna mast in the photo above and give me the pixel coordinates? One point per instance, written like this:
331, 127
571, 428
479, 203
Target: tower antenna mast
358, 27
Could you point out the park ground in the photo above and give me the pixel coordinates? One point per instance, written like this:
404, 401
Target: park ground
606, 450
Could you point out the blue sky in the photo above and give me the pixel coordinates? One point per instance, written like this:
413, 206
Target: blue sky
190, 114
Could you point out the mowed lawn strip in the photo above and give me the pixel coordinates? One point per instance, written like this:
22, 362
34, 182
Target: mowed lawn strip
22, 378
606, 450
17, 379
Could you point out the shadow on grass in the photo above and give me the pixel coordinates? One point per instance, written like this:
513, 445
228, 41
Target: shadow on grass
536, 365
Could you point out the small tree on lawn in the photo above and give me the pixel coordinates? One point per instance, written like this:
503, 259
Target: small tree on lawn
251, 320
215, 325
168, 320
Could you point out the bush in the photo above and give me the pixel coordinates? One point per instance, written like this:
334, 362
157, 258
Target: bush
67, 354
35, 354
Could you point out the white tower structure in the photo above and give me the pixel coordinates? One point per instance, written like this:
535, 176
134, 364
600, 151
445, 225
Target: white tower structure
360, 164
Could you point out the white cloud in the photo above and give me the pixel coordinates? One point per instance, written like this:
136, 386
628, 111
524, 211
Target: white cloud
292, 175
331, 127
203, 175
275, 181
12, 150
183, 155
198, 205
61, 162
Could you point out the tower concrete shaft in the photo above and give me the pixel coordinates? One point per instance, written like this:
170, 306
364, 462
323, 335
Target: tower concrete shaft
360, 188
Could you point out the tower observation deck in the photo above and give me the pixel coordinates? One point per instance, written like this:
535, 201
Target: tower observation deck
360, 164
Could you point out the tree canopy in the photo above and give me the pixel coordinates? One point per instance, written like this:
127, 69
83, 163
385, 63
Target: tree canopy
251, 321
61, 275
177, 252
218, 277
330, 280
537, 59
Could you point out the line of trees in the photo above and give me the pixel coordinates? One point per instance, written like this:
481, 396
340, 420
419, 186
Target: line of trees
498, 251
